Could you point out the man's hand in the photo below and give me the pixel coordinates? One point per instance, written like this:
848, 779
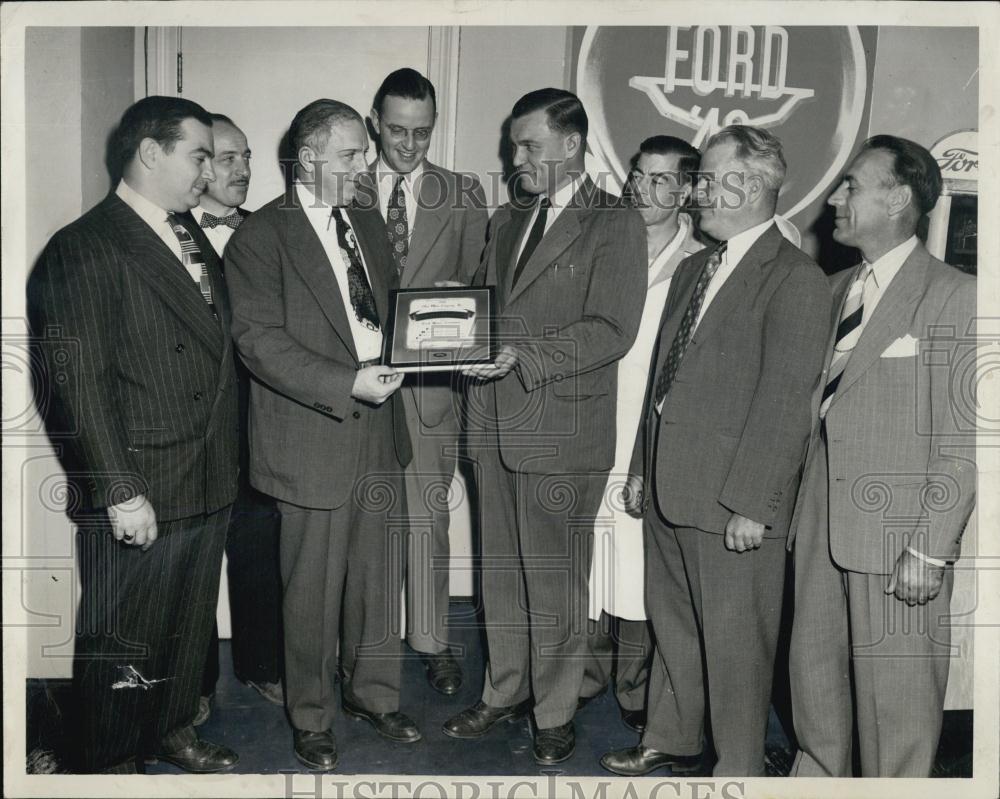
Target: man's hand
375, 384
915, 581
505, 361
632, 496
743, 534
134, 522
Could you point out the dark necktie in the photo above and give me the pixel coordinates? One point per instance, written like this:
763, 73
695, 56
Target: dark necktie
534, 236
397, 227
848, 333
209, 221
362, 298
683, 337
191, 256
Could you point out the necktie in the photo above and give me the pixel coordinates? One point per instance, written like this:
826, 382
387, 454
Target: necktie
362, 298
396, 226
191, 257
534, 236
680, 342
209, 221
848, 333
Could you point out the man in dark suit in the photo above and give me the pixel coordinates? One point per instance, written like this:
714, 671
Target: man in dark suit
254, 524
436, 224
146, 415
721, 450
888, 486
310, 279
570, 272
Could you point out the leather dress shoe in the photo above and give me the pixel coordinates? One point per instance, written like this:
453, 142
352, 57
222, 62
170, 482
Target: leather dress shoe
317, 750
271, 691
634, 719
477, 720
443, 672
555, 744
638, 760
201, 757
395, 726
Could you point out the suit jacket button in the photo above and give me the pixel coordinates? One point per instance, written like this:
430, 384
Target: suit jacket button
197, 395
356, 414
179, 348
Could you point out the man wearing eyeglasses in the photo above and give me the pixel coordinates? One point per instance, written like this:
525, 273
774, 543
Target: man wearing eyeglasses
436, 226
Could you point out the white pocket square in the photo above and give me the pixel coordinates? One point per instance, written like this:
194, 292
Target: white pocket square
903, 347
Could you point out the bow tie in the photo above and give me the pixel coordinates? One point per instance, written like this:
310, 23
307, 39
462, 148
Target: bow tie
234, 220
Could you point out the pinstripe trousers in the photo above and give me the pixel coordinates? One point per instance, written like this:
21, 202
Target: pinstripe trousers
143, 624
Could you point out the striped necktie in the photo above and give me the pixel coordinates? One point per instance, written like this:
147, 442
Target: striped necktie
680, 342
192, 259
848, 333
397, 226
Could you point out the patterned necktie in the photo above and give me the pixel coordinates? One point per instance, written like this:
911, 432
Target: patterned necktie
680, 342
535, 236
362, 298
192, 259
397, 227
848, 333
209, 221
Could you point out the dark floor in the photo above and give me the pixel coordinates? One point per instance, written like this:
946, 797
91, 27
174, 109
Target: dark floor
259, 731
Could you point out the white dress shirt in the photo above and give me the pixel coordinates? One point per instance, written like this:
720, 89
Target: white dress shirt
736, 248
883, 271
218, 235
386, 177
559, 200
156, 218
367, 342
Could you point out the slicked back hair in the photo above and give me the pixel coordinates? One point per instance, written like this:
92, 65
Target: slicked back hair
688, 157
406, 83
913, 166
563, 110
311, 126
154, 117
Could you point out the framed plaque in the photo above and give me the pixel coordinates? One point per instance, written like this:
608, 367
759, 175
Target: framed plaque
440, 329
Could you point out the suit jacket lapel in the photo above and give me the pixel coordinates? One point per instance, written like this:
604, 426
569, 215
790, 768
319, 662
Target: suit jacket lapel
154, 262
508, 234
556, 240
315, 269
890, 319
673, 311
747, 271
429, 220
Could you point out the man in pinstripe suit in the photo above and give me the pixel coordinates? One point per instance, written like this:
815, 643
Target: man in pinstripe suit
144, 416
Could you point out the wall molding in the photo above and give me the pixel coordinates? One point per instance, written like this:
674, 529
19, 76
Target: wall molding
442, 71
159, 64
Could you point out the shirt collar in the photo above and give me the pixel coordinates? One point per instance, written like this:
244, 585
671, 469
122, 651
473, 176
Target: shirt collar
318, 216
561, 197
148, 211
740, 244
886, 267
385, 172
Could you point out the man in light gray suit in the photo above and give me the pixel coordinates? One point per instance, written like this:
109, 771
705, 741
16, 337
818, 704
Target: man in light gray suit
889, 483
726, 424
436, 224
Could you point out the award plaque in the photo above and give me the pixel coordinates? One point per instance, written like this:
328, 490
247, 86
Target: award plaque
440, 329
